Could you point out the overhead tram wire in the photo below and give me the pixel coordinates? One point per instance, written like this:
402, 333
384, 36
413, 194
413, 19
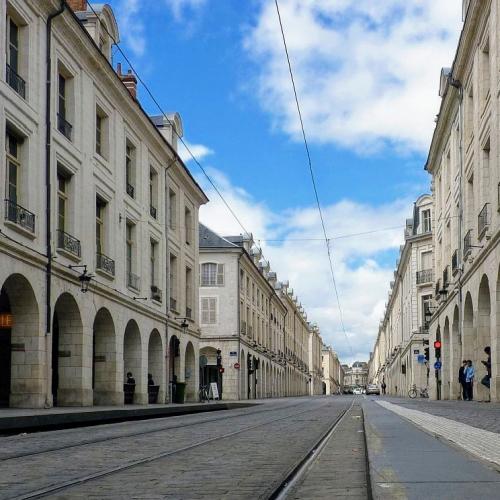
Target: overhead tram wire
157, 104
327, 241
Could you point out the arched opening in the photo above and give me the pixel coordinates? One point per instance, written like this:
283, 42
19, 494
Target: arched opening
445, 361
438, 373
190, 373
155, 368
132, 362
71, 356
455, 356
468, 328
105, 383
22, 378
210, 373
483, 338
174, 362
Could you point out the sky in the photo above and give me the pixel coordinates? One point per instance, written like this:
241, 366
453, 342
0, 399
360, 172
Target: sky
367, 76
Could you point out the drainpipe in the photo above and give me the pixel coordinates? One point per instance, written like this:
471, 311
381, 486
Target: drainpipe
238, 293
48, 206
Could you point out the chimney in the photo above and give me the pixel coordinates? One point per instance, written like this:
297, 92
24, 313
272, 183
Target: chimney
129, 80
77, 5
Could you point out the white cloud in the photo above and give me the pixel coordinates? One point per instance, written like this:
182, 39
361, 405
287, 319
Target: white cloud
131, 25
367, 72
361, 271
199, 151
180, 8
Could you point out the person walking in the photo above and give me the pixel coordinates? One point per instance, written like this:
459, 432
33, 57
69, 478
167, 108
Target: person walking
383, 387
461, 379
469, 373
487, 378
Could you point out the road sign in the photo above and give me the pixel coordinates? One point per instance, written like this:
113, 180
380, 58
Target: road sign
421, 358
237, 366
416, 351
437, 365
233, 354
214, 389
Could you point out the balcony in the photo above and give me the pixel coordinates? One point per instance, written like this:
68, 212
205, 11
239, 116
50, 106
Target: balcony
133, 281
104, 263
189, 313
483, 220
455, 266
153, 211
425, 276
156, 294
64, 127
68, 243
130, 190
20, 216
173, 304
468, 243
15, 81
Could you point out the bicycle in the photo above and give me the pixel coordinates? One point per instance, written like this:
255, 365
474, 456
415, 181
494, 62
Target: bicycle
204, 394
412, 393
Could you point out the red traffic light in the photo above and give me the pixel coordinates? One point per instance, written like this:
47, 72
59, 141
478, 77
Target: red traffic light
437, 344
221, 370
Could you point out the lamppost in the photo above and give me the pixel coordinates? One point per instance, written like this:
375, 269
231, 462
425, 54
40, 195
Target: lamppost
84, 277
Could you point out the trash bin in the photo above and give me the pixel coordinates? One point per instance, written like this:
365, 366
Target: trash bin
180, 391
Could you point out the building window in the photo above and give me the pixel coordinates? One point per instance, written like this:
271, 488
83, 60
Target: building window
130, 155
248, 286
426, 221
153, 193
172, 209
208, 310
100, 207
12, 70
189, 293
212, 274
101, 133
188, 225
173, 282
153, 257
426, 304
62, 201
13, 147
63, 124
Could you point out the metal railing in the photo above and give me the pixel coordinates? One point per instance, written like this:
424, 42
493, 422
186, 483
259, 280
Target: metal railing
153, 212
19, 215
468, 243
189, 313
105, 263
15, 81
130, 190
425, 276
454, 262
483, 220
156, 293
69, 243
173, 304
64, 127
133, 281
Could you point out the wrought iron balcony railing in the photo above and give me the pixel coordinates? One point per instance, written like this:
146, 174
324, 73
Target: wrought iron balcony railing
173, 304
156, 294
153, 211
130, 190
133, 281
454, 262
64, 127
104, 263
189, 313
19, 215
425, 276
483, 220
468, 243
69, 243
15, 81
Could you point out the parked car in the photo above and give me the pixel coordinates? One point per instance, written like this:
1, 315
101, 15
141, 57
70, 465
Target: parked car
373, 389
357, 390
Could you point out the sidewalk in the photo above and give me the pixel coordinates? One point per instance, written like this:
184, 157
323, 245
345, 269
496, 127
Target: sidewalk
15, 420
484, 416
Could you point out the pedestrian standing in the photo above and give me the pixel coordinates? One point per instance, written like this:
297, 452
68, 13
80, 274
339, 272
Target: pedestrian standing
461, 379
469, 373
130, 378
487, 378
383, 387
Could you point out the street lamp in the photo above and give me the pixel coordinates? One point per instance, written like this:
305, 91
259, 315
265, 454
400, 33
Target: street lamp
84, 277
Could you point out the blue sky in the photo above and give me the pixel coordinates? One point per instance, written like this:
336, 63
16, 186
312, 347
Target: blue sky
367, 79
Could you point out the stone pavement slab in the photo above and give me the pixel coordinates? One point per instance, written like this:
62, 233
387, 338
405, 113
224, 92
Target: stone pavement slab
407, 463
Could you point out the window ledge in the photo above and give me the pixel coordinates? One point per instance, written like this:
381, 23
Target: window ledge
68, 255
104, 273
20, 229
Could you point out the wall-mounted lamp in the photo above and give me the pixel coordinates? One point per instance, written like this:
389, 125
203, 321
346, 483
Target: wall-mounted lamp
184, 325
84, 277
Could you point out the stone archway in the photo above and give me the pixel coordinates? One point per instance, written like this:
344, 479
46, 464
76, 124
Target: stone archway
446, 377
483, 337
455, 355
155, 362
105, 379
22, 374
132, 361
71, 356
243, 375
190, 373
468, 328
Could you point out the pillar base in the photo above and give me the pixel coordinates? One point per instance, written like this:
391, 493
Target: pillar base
75, 397
34, 400
108, 398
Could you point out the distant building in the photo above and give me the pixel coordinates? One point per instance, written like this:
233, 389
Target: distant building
356, 375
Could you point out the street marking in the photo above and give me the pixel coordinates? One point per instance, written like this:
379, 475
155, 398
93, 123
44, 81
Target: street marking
478, 442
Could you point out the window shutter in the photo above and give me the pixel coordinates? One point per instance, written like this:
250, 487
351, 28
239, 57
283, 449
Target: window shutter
204, 310
212, 310
220, 274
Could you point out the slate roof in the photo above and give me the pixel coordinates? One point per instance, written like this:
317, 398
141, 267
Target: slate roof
210, 239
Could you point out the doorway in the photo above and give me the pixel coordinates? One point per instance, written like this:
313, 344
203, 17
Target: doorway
5, 350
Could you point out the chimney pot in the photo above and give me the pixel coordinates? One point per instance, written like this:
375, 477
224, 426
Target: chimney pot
129, 80
78, 5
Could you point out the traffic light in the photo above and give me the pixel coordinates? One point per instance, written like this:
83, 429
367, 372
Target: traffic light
221, 369
426, 351
437, 349
219, 357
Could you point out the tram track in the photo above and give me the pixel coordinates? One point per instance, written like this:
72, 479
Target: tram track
66, 485
143, 433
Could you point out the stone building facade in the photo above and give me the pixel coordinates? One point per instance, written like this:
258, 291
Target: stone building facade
333, 373
398, 357
356, 376
463, 162
88, 156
